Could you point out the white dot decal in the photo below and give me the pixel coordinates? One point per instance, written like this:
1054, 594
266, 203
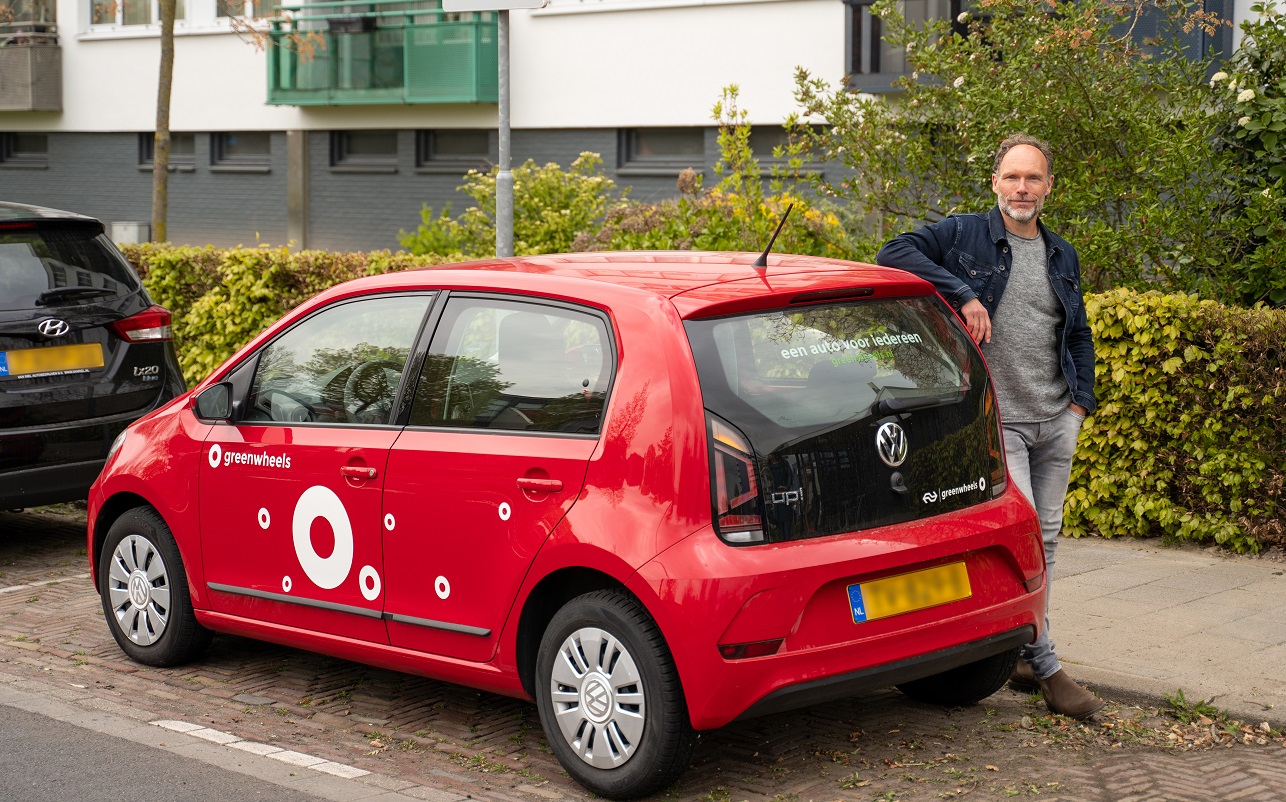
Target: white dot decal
286, 584
265, 520
369, 581
216, 455
321, 502
389, 522
443, 587
505, 512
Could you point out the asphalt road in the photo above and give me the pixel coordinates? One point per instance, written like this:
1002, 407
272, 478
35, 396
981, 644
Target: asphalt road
46, 760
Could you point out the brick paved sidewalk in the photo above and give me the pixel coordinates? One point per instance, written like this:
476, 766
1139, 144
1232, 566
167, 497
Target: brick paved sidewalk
443, 742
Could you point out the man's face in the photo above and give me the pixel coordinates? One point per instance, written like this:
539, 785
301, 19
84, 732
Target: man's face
1022, 183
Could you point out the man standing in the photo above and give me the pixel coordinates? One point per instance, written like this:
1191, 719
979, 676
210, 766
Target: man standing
1017, 287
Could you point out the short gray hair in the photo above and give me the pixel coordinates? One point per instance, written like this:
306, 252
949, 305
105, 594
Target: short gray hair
1014, 141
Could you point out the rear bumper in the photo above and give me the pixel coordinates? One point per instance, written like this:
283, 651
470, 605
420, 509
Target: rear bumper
48, 484
849, 684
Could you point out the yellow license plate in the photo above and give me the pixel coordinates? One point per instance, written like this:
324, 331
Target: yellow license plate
56, 359
893, 595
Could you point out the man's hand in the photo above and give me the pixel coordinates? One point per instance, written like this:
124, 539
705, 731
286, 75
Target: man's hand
1078, 409
977, 320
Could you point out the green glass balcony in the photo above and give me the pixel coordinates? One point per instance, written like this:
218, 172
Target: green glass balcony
381, 51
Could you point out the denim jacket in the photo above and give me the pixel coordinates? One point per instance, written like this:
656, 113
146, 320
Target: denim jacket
967, 256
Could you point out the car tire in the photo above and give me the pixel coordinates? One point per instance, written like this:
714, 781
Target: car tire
144, 590
964, 685
610, 699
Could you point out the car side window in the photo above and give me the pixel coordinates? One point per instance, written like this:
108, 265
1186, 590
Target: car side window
497, 364
341, 365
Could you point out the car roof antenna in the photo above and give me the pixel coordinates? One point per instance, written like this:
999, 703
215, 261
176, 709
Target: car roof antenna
762, 262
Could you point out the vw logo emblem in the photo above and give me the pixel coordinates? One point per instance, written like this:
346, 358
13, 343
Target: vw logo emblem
597, 698
53, 327
890, 443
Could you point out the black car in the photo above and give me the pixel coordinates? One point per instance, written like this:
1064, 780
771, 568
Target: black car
83, 353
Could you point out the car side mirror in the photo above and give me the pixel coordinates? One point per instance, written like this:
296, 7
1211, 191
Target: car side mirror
215, 403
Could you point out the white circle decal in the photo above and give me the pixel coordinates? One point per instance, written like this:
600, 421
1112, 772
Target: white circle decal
368, 576
286, 584
505, 512
265, 520
443, 587
216, 455
389, 523
321, 502
982, 483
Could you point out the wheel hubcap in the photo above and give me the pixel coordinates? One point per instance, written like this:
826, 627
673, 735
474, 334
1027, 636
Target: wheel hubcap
598, 700
138, 590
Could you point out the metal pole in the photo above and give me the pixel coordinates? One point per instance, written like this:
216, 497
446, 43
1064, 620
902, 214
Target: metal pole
504, 179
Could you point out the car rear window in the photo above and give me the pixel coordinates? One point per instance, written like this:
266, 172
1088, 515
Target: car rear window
58, 265
797, 402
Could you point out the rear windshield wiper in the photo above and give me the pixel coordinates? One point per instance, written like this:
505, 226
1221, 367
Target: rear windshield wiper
71, 293
889, 406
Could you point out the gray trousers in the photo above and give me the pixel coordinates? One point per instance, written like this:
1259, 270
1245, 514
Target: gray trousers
1040, 464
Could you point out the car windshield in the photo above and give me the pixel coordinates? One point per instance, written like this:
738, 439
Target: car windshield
50, 266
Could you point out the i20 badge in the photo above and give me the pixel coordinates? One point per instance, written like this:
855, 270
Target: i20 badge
890, 443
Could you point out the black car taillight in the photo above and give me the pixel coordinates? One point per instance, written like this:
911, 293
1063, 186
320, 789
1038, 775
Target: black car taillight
738, 516
150, 325
995, 444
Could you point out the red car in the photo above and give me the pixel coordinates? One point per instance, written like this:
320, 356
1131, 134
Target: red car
656, 492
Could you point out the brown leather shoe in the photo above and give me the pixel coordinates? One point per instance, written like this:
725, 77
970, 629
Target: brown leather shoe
1065, 697
1024, 679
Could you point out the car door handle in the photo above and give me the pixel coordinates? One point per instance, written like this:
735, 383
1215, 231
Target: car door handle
357, 472
540, 485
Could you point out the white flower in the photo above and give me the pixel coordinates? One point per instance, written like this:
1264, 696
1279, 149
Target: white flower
963, 17
1232, 85
1246, 96
958, 82
1267, 193
1243, 121
1217, 77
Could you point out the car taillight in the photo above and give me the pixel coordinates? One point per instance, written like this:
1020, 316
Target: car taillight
150, 325
737, 514
995, 444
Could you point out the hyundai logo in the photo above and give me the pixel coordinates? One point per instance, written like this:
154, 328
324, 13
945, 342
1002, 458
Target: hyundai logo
890, 442
53, 327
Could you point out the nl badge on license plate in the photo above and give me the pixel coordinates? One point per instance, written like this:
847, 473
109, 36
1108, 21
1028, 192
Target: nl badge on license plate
893, 595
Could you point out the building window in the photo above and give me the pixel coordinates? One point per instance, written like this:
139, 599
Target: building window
452, 148
130, 12
244, 8
873, 65
241, 150
24, 150
182, 150
668, 150
366, 151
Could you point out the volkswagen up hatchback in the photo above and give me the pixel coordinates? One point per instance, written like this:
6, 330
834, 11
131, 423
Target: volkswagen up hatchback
654, 492
83, 353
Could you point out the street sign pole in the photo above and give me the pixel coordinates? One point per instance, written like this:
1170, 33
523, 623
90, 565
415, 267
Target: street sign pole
504, 178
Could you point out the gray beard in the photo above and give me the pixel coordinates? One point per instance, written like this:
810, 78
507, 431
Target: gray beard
1021, 217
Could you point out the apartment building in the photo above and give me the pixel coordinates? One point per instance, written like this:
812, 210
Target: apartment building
332, 129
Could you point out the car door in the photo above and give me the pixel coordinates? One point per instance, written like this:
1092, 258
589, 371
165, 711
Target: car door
290, 491
506, 415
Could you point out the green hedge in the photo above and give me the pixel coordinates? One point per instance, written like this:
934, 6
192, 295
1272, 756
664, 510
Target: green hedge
221, 299
1188, 441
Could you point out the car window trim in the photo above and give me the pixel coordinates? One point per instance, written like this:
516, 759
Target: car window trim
431, 331
414, 358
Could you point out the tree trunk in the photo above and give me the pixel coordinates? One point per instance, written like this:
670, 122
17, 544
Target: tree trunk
161, 144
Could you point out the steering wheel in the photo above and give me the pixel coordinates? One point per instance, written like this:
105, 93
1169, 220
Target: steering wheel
368, 386
299, 410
